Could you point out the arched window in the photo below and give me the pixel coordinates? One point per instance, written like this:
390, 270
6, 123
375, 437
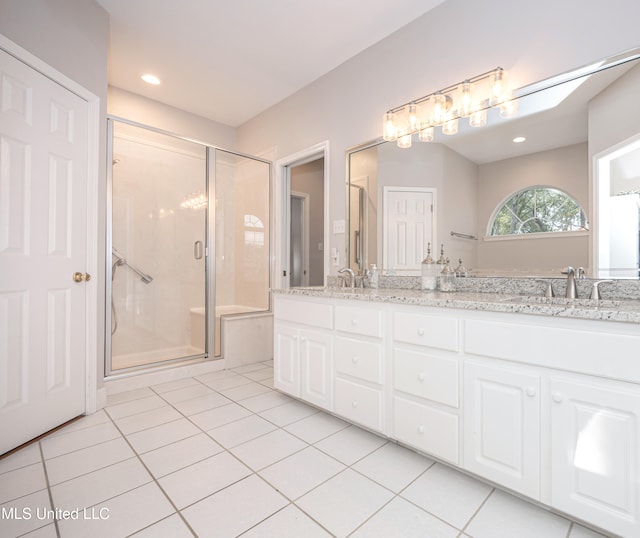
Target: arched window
538, 210
254, 231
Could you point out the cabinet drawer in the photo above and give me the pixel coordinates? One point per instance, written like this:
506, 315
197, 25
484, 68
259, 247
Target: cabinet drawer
424, 375
359, 404
356, 320
583, 350
307, 312
425, 330
430, 430
359, 359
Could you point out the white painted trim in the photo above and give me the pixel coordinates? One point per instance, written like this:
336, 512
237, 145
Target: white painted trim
280, 210
599, 184
93, 175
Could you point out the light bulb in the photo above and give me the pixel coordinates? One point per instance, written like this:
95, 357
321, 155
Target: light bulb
478, 118
389, 129
499, 86
439, 108
450, 127
509, 107
404, 139
413, 116
426, 133
466, 100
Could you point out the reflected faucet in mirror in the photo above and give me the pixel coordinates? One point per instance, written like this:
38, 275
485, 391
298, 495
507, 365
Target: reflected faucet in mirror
352, 276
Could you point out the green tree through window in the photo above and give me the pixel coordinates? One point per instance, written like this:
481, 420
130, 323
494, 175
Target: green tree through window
539, 210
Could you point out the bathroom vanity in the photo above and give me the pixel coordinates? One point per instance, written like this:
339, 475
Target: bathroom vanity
540, 398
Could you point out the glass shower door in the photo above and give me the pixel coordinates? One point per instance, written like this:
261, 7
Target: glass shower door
158, 238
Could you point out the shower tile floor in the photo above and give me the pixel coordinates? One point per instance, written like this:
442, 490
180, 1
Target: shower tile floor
224, 454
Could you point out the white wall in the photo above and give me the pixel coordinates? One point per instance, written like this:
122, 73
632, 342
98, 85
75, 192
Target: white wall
71, 36
458, 39
145, 111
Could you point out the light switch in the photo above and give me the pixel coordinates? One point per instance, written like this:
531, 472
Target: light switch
338, 226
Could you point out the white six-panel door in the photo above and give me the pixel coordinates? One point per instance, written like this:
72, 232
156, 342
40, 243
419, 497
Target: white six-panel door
43, 242
408, 226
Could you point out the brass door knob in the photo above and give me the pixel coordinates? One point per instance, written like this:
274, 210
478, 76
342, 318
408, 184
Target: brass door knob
79, 277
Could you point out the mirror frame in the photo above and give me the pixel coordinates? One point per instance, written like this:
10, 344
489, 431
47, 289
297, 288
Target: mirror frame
524, 91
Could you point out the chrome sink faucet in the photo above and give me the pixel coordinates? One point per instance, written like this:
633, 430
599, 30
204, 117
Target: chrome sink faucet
572, 275
352, 276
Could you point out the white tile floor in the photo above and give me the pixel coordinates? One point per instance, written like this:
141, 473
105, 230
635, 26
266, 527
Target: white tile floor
224, 454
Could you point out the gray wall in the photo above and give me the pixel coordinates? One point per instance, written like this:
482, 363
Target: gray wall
564, 168
458, 39
309, 178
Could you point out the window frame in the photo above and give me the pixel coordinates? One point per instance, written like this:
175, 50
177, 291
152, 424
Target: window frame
533, 235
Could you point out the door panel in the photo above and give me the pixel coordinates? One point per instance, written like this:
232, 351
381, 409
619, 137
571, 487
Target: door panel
408, 227
595, 435
43, 241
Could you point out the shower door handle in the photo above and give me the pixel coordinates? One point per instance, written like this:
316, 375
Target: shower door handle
197, 250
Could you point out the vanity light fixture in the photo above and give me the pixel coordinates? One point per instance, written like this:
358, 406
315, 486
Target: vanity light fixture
150, 79
468, 99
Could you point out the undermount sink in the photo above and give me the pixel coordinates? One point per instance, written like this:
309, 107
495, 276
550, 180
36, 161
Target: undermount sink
563, 301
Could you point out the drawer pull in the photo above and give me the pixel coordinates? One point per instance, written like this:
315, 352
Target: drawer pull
421, 376
354, 404
557, 397
531, 392
355, 359
420, 332
420, 430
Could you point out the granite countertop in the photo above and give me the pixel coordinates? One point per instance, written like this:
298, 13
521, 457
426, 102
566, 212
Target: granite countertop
605, 310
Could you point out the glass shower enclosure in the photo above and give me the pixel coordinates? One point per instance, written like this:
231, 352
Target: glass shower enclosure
188, 243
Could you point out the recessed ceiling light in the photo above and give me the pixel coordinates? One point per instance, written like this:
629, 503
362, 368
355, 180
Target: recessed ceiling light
519, 139
150, 79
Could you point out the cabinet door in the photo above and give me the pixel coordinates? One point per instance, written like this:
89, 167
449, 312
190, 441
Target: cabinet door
594, 454
316, 368
502, 426
286, 363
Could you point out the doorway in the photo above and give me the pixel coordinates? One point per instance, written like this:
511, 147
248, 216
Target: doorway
302, 194
299, 234
306, 235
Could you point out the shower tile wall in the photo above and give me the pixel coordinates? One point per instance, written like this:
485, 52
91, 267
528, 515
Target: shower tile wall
242, 232
156, 233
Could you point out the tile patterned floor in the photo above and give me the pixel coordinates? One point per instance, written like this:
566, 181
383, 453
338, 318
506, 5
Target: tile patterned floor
223, 454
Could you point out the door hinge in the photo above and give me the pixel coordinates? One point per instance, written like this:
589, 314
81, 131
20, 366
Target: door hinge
284, 273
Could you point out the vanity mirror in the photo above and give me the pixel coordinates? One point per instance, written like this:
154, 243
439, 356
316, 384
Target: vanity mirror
582, 141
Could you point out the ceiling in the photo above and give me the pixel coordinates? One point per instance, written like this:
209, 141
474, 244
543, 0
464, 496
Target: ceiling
229, 60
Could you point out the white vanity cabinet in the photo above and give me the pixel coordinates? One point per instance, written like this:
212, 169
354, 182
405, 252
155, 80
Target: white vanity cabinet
547, 407
595, 452
502, 424
359, 365
303, 350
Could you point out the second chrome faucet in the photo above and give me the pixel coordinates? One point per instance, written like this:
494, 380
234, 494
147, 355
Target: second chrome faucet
572, 276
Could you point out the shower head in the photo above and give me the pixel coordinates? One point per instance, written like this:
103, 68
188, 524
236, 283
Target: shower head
146, 278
